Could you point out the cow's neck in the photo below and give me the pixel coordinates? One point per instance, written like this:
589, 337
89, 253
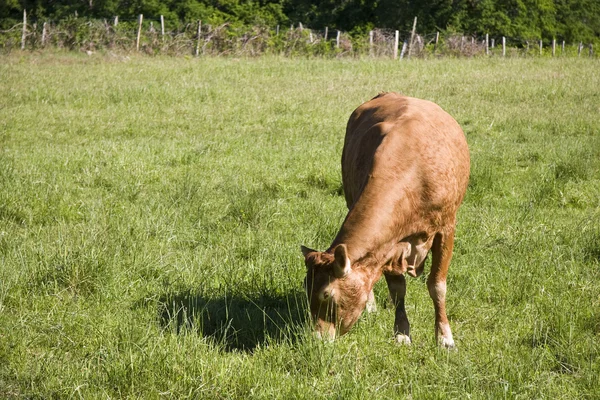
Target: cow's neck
373, 227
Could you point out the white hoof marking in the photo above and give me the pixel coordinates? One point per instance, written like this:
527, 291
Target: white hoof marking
371, 307
447, 343
403, 339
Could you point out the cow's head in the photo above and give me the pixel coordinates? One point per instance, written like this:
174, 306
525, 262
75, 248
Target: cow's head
337, 290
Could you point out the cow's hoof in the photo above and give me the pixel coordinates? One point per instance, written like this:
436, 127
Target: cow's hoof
325, 338
446, 343
371, 307
403, 339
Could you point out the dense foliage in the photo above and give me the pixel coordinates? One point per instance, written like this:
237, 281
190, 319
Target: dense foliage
570, 20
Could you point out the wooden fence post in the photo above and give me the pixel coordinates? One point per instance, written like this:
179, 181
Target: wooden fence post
404, 46
487, 44
579, 49
198, 38
371, 43
396, 41
462, 44
139, 32
326, 33
116, 20
541, 46
503, 46
24, 35
44, 33
591, 50
553, 47
437, 39
493, 43
562, 51
412, 36
337, 40
162, 26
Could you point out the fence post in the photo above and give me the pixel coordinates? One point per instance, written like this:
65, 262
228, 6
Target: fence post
503, 46
541, 46
396, 40
371, 43
116, 20
591, 50
462, 44
487, 44
326, 32
23, 36
579, 49
562, 51
162, 26
493, 43
277, 31
437, 38
404, 46
412, 36
337, 40
198, 38
139, 32
44, 33
553, 47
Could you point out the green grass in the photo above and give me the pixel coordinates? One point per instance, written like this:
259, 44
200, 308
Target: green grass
152, 209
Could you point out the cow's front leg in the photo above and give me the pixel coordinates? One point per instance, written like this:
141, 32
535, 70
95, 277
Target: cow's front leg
397, 287
371, 304
441, 252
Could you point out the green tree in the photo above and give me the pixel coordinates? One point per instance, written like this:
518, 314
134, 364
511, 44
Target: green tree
571, 20
578, 20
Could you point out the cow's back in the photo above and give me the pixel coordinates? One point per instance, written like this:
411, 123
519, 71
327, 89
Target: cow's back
405, 148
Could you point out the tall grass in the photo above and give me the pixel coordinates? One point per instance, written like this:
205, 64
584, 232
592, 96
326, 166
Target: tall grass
151, 212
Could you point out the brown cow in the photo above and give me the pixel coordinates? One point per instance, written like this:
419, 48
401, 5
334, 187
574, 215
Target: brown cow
405, 169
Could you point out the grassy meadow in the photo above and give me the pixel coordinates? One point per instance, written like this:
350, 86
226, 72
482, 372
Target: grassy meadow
152, 209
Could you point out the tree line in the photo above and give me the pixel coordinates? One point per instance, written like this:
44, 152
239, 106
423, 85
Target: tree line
569, 20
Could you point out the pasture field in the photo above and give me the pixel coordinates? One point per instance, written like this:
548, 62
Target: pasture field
152, 209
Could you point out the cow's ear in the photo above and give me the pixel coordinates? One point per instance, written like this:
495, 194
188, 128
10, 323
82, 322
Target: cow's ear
342, 265
306, 251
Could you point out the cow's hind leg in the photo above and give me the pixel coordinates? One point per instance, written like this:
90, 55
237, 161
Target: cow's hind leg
441, 250
397, 287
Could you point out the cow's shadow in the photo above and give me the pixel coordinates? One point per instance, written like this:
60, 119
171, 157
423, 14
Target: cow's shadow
236, 322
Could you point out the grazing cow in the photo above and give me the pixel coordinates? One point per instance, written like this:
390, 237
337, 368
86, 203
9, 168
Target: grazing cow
405, 169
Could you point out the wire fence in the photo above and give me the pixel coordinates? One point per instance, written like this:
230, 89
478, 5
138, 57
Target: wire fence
149, 36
